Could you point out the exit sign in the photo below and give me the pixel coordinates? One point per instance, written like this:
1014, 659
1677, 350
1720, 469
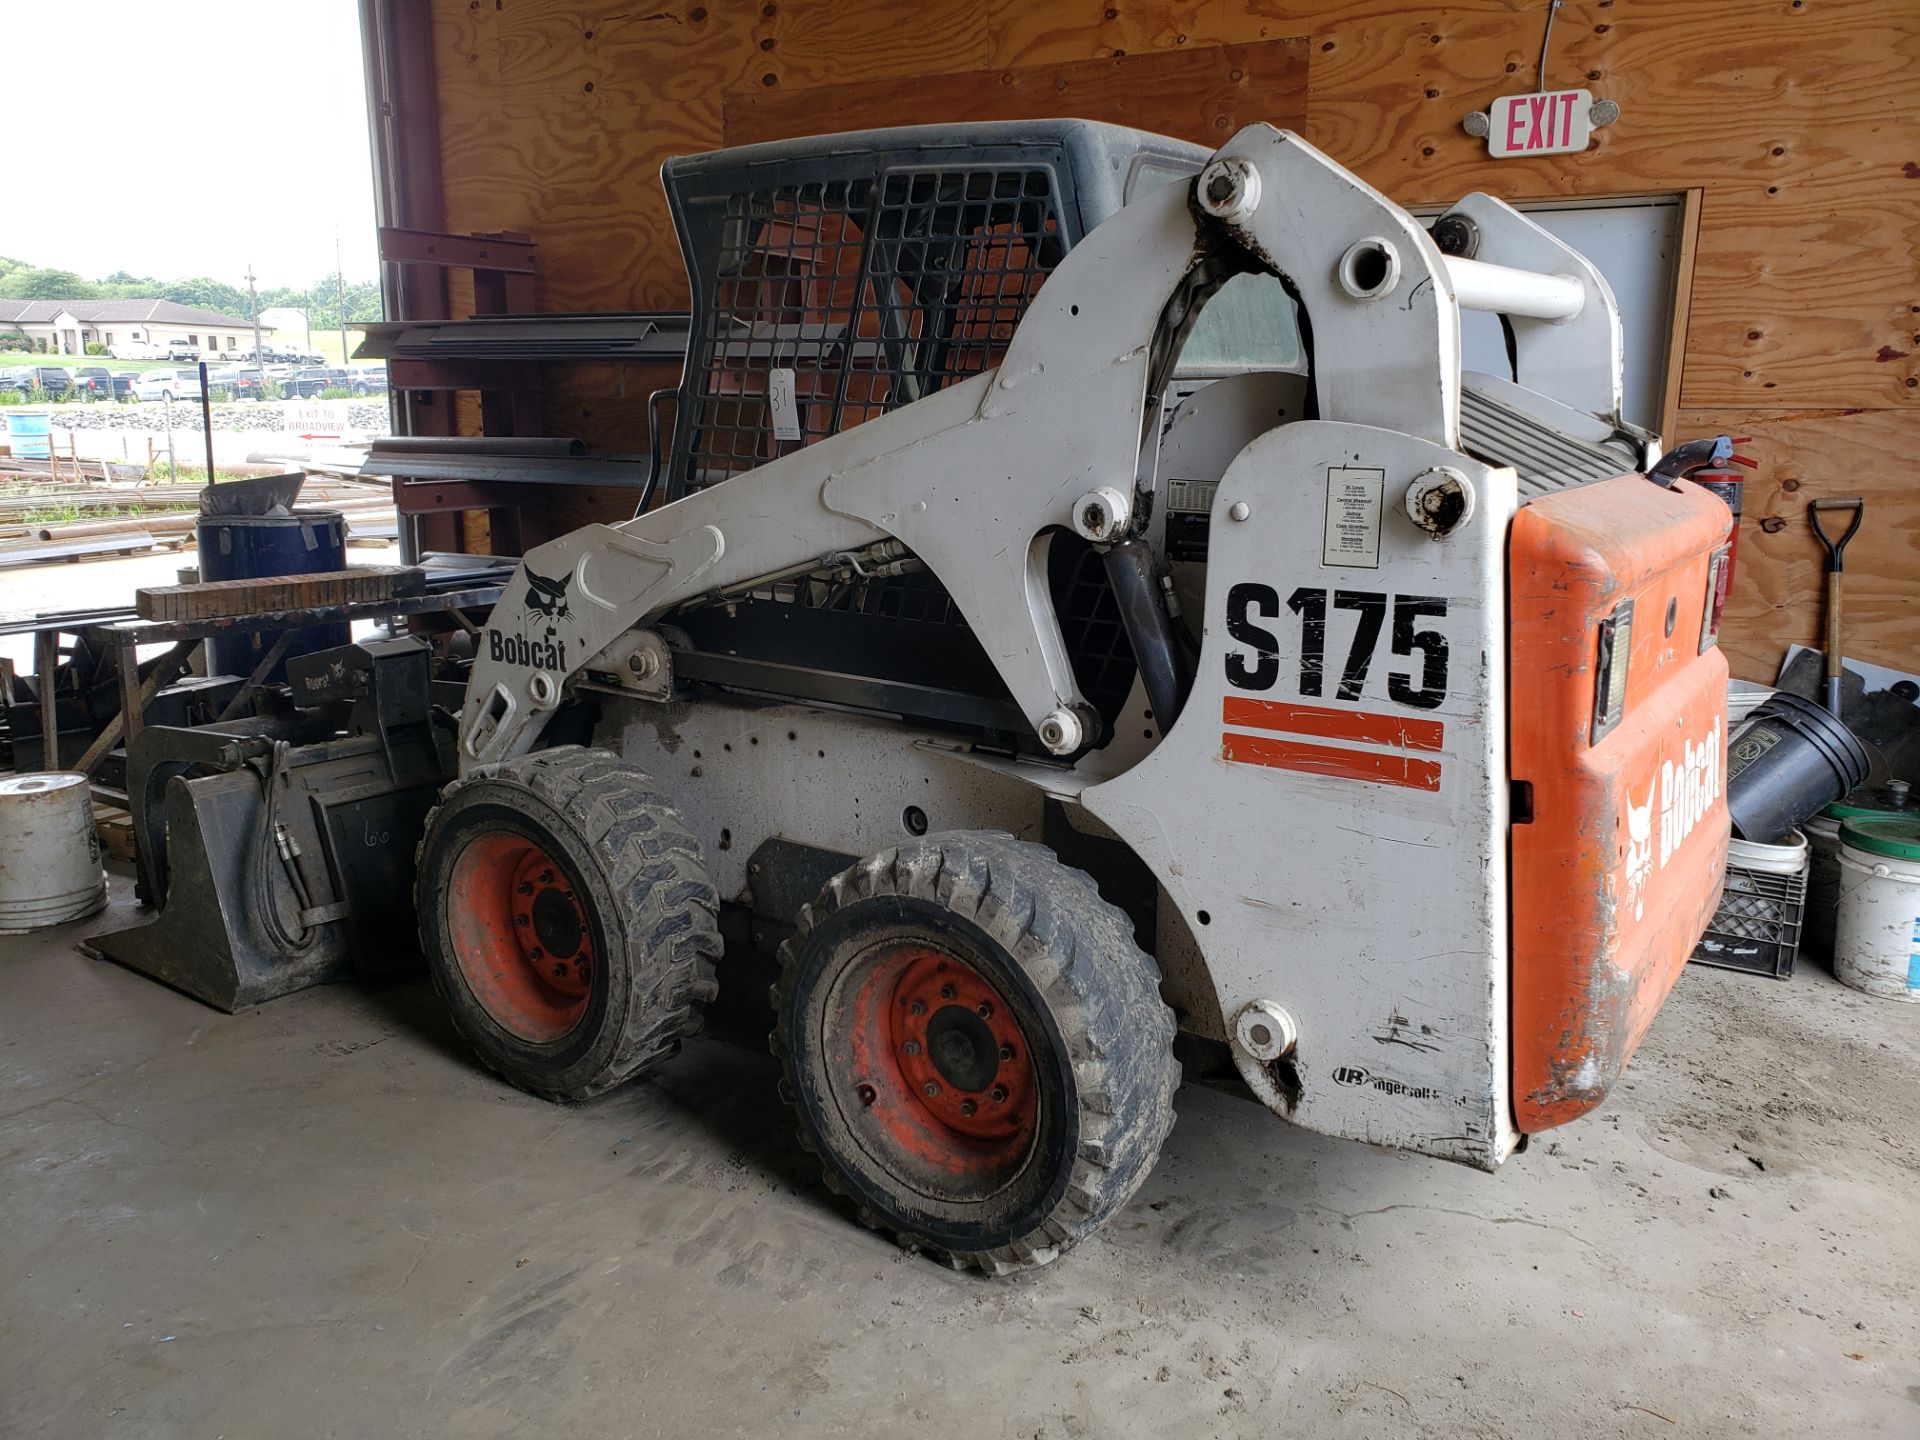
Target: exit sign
1556, 123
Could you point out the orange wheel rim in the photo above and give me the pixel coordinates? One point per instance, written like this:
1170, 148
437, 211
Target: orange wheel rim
942, 1070
520, 936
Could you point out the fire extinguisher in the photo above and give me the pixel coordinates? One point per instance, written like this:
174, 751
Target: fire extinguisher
1727, 482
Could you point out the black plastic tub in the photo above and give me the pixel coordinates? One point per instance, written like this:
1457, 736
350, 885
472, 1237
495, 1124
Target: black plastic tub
1787, 763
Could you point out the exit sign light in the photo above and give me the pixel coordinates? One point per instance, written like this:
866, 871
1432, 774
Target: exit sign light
1555, 123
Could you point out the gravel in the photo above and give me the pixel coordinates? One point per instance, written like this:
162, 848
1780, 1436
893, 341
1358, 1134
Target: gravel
369, 417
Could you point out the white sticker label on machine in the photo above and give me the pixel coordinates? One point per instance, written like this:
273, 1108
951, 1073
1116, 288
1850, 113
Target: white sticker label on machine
786, 413
1192, 497
1353, 517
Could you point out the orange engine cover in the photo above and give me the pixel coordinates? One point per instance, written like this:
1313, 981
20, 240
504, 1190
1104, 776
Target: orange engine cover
1619, 869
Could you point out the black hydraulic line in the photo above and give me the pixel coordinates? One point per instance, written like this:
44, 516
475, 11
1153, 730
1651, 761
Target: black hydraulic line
269, 845
1150, 630
654, 458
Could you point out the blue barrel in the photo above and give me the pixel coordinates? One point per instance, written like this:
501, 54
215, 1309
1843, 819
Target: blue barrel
254, 547
29, 434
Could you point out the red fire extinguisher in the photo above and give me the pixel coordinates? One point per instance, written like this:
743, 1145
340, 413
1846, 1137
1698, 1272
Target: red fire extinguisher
1727, 483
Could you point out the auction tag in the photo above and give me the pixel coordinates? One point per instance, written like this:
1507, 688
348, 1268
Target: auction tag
786, 414
1352, 536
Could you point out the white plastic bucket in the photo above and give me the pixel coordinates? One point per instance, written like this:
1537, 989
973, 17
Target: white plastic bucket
1743, 698
1876, 944
49, 856
1786, 857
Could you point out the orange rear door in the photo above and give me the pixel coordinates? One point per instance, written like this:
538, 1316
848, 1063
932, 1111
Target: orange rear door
1618, 731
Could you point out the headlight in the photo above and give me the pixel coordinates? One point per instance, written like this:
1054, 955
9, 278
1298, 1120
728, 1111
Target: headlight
1610, 670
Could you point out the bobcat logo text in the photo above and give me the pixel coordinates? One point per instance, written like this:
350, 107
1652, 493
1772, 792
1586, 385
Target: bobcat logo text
543, 654
1686, 790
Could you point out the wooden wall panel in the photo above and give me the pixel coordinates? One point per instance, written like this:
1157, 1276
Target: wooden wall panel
1778, 595
804, 44
1204, 97
1797, 120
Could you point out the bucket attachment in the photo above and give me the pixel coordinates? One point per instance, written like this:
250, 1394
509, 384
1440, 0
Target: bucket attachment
280, 849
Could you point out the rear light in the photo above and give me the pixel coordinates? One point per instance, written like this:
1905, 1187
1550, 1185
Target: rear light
1610, 671
1719, 581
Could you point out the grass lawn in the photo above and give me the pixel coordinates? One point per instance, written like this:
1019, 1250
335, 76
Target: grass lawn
18, 359
325, 342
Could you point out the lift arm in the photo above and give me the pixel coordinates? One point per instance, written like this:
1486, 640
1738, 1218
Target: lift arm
972, 477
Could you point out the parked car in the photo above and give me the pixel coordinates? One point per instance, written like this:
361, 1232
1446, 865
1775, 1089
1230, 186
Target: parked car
181, 350
123, 383
137, 350
306, 384
53, 379
360, 380
238, 382
92, 382
168, 385
15, 379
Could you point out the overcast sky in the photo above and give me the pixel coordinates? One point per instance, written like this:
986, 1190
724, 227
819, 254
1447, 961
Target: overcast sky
177, 138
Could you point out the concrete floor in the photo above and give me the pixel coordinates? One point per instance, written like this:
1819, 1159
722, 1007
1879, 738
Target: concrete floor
320, 1219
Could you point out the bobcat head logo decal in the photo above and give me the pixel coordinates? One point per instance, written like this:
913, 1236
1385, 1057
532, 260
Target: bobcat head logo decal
549, 597
1640, 849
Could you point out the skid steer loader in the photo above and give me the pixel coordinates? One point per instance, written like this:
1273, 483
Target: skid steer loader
1091, 600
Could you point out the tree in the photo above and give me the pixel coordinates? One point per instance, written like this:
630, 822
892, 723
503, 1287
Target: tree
322, 303
29, 282
207, 294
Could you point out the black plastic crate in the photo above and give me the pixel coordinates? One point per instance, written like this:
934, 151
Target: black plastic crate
1757, 927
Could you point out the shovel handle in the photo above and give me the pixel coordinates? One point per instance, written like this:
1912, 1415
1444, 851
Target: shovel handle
1836, 549
1834, 669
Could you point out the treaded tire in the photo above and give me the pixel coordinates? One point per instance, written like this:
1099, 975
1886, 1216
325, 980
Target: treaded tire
646, 911
1086, 999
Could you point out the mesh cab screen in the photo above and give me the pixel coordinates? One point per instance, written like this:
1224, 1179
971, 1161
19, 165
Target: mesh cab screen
823, 303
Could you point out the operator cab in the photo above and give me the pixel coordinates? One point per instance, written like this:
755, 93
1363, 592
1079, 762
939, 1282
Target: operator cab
833, 282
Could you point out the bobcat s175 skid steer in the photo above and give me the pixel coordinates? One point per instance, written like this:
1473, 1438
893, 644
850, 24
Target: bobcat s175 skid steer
1091, 600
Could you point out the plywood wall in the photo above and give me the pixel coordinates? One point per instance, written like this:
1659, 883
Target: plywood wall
1798, 120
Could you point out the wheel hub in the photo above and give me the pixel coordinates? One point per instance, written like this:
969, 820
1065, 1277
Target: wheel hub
521, 936
960, 1049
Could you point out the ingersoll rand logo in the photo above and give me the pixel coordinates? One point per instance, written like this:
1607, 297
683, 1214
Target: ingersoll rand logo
1685, 789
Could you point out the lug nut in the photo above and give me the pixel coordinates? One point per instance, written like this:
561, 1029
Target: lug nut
946, 992
867, 1094
546, 877
967, 1107
525, 888
522, 920
916, 1008
998, 1094
559, 972
536, 953
983, 1010
912, 1047
933, 1088
1006, 1052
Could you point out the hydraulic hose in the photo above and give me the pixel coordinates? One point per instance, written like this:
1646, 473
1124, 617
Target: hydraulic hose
1150, 630
272, 842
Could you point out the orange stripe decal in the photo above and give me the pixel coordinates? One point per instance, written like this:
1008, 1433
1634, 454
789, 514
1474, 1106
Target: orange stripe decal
1408, 732
1329, 760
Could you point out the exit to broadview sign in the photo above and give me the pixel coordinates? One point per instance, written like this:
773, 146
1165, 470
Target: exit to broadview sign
1556, 123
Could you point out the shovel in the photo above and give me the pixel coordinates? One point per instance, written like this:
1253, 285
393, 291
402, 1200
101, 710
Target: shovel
1836, 551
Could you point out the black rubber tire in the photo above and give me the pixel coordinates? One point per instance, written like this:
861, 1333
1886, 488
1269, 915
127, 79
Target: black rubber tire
1066, 961
651, 910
